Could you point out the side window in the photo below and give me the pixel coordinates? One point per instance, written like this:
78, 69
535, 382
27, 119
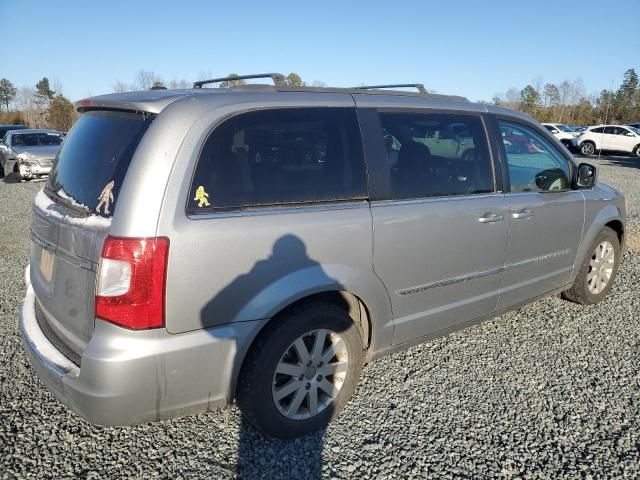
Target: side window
436, 155
597, 130
610, 130
280, 156
549, 127
534, 164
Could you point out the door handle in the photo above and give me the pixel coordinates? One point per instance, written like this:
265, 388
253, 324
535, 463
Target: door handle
524, 213
491, 218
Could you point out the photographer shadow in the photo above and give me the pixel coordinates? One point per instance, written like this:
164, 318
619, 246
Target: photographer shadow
259, 456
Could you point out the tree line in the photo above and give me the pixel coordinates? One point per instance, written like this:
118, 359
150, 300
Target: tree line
146, 80
39, 107
568, 102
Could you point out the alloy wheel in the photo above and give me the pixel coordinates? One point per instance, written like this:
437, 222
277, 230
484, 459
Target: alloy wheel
587, 149
310, 374
601, 267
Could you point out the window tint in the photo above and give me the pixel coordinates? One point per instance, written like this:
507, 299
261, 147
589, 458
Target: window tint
620, 131
610, 130
436, 154
597, 130
96, 156
551, 128
534, 164
281, 156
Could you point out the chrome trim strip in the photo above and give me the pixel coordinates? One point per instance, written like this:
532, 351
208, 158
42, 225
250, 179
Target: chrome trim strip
440, 198
40, 242
481, 274
279, 210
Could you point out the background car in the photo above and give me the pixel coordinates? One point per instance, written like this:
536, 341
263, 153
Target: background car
616, 138
564, 133
577, 128
634, 125
5, 128
29, 153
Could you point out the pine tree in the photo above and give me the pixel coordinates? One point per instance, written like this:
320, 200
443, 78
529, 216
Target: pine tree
7, 92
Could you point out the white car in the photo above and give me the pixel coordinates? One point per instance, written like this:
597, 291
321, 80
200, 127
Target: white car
618, 138
567, 135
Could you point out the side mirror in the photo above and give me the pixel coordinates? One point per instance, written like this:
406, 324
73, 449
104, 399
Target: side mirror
586, 176
629, 134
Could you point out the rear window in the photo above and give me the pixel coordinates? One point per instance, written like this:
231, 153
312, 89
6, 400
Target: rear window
280, 156
40, 139
94, 159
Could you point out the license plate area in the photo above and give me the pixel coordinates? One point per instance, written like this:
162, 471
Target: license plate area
47, 261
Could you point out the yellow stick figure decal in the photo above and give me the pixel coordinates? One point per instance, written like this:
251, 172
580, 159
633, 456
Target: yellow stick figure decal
106, 197
201, 197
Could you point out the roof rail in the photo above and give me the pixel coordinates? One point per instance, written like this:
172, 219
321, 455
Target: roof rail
418, 86
278, 79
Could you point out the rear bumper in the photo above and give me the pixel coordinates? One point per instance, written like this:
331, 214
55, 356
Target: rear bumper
129, 377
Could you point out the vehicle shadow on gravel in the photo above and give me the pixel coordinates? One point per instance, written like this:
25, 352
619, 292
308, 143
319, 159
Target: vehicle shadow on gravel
628, 162
259, 456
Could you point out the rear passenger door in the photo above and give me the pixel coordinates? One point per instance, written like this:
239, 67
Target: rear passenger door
439, 222
609, 140
545, 216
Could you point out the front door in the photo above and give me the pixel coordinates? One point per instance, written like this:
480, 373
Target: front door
625, 140
545, 219
440, 231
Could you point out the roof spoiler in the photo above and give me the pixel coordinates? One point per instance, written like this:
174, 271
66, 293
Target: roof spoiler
278, 79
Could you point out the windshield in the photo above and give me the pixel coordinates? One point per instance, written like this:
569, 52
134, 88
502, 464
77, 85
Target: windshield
565, 128
94, 160
41, 139
635, 130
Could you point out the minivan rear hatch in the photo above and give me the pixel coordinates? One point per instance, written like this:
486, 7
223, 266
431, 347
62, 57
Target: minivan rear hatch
72, 216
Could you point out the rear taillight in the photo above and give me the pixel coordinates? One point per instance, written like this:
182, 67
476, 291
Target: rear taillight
130, 288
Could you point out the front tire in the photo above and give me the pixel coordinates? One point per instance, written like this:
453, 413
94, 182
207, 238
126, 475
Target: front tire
587, 149
598, 270
301, 371
636, 151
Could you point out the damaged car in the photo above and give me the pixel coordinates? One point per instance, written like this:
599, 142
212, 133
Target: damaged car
29, 153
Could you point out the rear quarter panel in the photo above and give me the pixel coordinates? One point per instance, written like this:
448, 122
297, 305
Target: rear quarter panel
244, 266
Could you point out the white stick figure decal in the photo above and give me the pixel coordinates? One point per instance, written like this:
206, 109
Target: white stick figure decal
106, 197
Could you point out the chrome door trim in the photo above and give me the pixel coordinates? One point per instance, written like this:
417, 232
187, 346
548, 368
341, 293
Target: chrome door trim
481, 274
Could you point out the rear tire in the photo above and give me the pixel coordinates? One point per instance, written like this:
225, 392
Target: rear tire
260, 386
17, 173
598, 270
587, 149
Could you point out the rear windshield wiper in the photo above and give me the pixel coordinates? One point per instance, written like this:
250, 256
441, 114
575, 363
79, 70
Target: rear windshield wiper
65, 202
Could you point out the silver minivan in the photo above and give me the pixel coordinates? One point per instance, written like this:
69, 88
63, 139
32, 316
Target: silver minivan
261, 243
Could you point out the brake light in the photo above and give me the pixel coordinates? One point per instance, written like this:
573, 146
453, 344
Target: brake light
130, 289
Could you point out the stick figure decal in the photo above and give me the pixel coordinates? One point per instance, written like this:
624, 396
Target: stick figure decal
201, 197
106, 197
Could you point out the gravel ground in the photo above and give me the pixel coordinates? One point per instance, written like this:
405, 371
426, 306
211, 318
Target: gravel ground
550, 390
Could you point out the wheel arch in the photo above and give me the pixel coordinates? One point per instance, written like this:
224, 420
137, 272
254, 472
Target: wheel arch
610, 217
352, 304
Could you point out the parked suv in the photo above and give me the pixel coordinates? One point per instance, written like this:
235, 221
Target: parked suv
29, 153
567, 135
616, 138
261, 243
